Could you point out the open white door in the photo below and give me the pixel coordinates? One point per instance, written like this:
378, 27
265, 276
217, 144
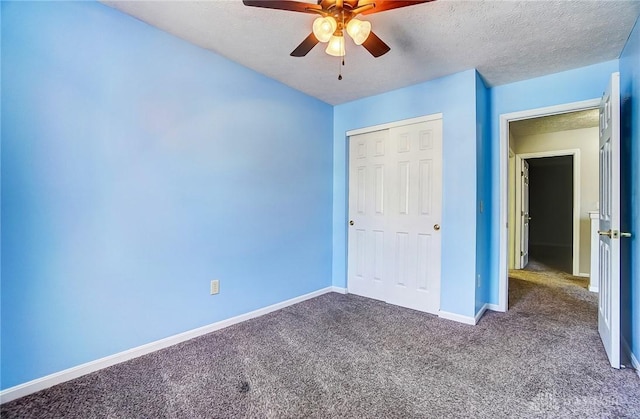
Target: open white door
524, 215
609, 244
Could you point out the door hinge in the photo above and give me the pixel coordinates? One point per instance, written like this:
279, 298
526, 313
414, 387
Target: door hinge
521, 253
522, 173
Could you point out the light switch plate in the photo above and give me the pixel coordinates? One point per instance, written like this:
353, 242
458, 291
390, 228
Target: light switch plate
215, 286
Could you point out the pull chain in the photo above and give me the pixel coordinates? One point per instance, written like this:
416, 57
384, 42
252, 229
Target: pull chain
343, 51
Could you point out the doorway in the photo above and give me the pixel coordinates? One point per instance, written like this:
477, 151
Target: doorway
608, 204
537, 141
551, 212
556, 187
510, 150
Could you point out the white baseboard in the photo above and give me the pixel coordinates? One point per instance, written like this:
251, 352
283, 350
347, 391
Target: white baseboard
635, 363
593, 289
38, 384
339, 290
457, 317
627, 350
584, 275
494, 307
480, 313
466, 319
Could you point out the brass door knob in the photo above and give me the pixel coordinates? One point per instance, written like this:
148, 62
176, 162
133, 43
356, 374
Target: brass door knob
436, 227
614, 234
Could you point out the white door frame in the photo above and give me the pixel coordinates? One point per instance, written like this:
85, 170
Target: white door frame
575, 153
521, 182
393, 124
514, 248
503, 272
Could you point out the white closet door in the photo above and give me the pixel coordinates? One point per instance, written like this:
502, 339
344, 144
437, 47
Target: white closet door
395, 204
367, 257
415, 213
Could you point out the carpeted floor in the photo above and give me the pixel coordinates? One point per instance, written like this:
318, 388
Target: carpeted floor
347, 356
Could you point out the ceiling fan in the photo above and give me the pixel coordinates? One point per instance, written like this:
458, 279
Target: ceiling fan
336, 17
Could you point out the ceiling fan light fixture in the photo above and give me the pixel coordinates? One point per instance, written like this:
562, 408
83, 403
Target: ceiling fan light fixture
324, 27
336, 46
359, 30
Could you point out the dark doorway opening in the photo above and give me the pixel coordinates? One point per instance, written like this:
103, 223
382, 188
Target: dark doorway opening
551, 211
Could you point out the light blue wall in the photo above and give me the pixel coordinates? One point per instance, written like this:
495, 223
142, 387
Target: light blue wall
569, 86
630, 194
136, 168
484, 163
0, 187
454, 96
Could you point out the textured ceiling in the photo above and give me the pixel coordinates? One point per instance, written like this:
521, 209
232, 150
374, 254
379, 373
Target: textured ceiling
554, 123
506, 41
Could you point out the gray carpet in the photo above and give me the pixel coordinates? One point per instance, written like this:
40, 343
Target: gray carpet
347, 356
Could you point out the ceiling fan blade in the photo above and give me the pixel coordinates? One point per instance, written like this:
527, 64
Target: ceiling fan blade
292, 6
306, 46
375, 45
384, 5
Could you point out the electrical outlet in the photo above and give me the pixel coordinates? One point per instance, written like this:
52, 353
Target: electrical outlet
215, 286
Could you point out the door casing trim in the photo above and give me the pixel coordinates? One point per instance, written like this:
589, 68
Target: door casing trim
575, 153
503, 214
394, 124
